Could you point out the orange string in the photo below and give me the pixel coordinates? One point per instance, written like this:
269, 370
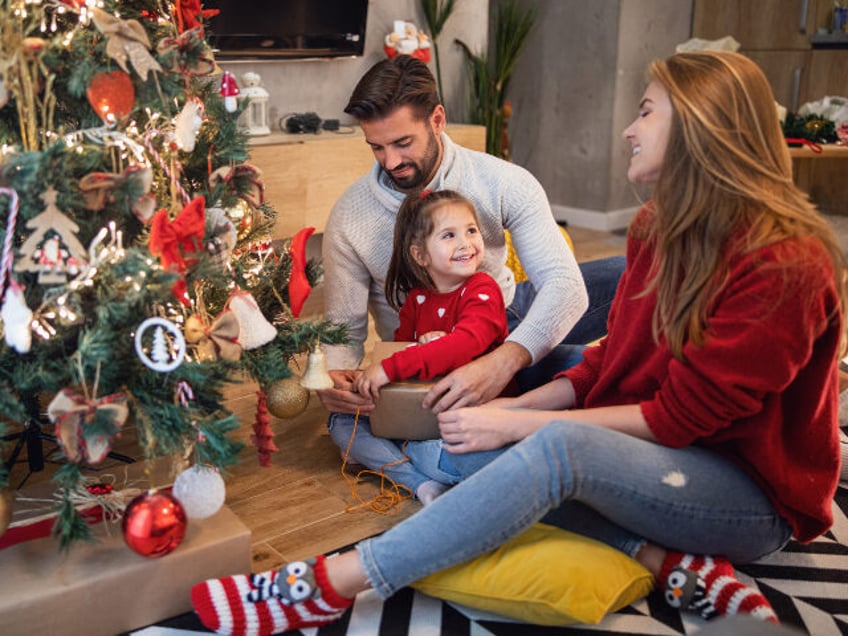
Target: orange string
390, 495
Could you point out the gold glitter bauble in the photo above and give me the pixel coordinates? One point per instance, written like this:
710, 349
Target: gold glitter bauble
286, 398
7, 497
241, 214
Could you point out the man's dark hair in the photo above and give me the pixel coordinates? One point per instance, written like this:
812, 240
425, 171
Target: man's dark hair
390, 84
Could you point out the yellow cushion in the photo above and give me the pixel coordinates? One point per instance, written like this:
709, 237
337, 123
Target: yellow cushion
545, 576
512, 258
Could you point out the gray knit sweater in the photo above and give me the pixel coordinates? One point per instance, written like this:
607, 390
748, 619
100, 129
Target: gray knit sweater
357, 247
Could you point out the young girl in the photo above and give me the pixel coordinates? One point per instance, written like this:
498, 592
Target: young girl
705, 423
453, 309
454, 312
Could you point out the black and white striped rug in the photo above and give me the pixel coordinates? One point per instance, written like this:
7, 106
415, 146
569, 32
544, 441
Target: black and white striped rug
806, 584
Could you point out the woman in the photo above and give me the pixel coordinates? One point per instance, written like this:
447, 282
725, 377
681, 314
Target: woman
703, 424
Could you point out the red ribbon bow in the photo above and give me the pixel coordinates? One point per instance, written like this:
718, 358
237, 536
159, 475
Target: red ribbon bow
189, 12
173, 241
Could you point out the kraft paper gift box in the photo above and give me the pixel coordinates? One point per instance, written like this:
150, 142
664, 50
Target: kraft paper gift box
106, 588
398, 413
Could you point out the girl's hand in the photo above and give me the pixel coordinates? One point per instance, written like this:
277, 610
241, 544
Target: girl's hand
368, 382
430, 336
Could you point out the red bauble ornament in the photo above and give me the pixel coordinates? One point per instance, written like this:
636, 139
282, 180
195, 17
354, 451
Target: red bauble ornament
111, 95
154, 523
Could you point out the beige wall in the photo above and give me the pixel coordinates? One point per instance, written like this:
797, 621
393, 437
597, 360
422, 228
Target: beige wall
576, 87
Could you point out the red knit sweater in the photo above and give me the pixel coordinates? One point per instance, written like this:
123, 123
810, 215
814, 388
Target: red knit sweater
473, 318
762, 389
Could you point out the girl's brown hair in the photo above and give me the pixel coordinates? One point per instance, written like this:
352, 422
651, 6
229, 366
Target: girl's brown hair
413, 225
726, 175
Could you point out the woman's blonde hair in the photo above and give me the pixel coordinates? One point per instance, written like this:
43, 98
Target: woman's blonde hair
726, 182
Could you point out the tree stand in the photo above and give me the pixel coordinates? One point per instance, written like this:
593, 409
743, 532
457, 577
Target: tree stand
33, 436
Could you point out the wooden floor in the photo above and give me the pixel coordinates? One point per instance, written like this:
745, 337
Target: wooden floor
302, 505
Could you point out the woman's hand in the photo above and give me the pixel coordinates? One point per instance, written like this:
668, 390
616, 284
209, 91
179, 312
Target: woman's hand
368, 382
476, 428
486, 427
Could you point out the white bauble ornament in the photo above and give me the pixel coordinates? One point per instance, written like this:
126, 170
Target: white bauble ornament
200, 490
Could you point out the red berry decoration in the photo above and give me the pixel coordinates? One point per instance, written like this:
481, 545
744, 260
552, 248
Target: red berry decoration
154, 524
111, 95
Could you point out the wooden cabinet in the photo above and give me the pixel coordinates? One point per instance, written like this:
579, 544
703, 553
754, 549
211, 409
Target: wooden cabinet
822, 176
762, 24
776, 34
305, 174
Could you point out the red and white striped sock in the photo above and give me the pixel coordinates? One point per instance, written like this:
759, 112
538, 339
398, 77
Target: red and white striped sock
708, 586
297, 595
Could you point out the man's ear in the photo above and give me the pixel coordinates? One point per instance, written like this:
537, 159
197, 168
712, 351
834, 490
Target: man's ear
438, 119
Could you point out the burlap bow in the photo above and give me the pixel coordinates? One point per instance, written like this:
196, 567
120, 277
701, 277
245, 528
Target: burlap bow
253, 191
187, 54
127, 40
218, 341
73, 416
97, 187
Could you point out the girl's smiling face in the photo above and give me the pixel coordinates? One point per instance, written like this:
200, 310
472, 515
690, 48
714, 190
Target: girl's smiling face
454, 249
648, 135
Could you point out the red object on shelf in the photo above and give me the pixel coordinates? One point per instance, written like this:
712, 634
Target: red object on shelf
792, 141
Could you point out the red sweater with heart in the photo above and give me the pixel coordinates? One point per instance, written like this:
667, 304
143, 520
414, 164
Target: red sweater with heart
473, 318
761, 390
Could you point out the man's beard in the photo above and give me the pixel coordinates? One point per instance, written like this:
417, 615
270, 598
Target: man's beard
421, 171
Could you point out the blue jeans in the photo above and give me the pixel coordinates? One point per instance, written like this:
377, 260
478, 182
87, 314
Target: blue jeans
376, 453
601, 277
607, 485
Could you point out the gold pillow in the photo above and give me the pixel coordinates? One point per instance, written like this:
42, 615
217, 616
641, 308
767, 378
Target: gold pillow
545, 576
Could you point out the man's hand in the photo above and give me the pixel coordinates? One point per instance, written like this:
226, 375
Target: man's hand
478, 381
342, 398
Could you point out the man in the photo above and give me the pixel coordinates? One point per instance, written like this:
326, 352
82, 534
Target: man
398, 109
397, 106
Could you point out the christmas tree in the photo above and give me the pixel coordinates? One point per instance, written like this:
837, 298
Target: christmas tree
139, 277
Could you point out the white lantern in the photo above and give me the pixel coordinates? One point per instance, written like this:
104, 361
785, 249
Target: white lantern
255, 116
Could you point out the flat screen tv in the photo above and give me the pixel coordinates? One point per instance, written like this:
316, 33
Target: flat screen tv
274, 29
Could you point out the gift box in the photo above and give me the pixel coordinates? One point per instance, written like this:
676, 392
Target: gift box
398, 413
105, 587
